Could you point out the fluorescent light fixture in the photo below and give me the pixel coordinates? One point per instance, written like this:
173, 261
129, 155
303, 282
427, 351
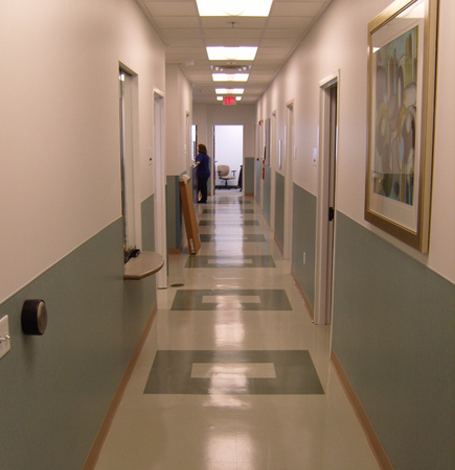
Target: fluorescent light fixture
229, 91
230, 77
258, 8
231, 53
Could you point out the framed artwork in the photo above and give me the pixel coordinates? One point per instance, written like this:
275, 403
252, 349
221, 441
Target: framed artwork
401, 93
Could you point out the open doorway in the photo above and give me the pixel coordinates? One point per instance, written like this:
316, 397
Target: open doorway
127, 133
228, 149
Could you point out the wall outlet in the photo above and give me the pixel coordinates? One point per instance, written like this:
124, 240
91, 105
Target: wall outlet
5, 340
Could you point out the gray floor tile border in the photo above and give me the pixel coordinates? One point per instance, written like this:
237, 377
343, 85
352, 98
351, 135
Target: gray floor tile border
238, 211
246, 261
270, 299
227, 223
295, 373
251, 237
234, 202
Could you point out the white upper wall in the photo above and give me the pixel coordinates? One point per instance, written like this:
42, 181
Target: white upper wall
59, 125
338, 44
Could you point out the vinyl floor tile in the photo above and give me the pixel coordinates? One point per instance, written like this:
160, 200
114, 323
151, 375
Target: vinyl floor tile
294, 373
269, 299
219, 261
229, 223
241, 238
224, 335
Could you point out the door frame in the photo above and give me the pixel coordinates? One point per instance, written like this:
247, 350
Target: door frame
273, 168
325, 255
160, 185
291, 154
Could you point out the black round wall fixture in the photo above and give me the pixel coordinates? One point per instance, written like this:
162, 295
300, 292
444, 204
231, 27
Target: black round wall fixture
34, 317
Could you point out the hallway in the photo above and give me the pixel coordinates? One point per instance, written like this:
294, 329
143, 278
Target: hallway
241, 377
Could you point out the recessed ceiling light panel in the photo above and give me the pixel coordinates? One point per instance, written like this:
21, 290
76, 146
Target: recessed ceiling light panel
255, 8
230, 77
231, 53
229, 91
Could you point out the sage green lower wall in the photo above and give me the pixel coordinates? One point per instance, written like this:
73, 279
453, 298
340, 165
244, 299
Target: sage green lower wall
304, 240
393, 332
257, 176
267, 192
248, 178
56, 389
174, 220
279, 208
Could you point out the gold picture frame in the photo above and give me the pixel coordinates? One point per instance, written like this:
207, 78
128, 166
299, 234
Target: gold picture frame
401, 93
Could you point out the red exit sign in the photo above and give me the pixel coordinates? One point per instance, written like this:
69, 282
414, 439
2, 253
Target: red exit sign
229, 101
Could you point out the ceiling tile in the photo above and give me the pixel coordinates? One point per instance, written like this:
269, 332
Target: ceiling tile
268, 53
295, 9
176, 22
182, 33
278, 42
172, 9
186, 36
282, 33
229, 33
186, 52
239, 22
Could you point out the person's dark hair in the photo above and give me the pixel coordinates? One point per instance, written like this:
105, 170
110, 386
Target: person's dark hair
202, 148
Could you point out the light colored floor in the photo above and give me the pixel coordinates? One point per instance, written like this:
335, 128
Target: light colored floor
238, 420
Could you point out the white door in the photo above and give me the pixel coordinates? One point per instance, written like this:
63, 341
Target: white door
325, 239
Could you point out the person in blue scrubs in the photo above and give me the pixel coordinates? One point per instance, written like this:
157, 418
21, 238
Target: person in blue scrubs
202, 172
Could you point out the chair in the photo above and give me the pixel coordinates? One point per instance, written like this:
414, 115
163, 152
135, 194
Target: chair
225, 175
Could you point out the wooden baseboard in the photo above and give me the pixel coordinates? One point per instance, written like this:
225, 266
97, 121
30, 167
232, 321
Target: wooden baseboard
305, 298
174, 251
103, 431
370, 433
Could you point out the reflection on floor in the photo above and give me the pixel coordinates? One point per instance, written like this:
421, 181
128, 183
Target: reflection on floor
234, 375
239, 299
234, 372
246, 261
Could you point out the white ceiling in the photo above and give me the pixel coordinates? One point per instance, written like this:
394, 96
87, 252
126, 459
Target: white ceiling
186, 36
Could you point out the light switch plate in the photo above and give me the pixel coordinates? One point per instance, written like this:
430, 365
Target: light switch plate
5, 340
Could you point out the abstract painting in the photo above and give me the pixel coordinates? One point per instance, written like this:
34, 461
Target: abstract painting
401, 91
